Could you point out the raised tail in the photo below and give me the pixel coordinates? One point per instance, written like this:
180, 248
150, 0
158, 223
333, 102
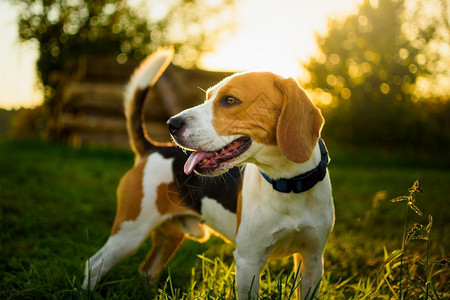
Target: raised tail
136, 92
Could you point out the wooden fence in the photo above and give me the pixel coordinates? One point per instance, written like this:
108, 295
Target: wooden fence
88, 106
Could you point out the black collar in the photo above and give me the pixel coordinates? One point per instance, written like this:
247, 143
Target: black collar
303, 182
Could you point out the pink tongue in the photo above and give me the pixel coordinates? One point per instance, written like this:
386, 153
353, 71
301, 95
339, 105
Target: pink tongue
194, 159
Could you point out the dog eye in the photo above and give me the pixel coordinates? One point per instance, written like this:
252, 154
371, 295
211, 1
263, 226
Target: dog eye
230, 101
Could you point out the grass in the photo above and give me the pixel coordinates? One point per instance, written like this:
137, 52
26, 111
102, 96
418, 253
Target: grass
57, 205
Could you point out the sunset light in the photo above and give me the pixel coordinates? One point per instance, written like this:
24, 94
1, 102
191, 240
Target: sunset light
267, 36
264, 36
275, 37
301, 133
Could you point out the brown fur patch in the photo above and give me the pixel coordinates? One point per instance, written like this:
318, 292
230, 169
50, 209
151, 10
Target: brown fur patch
168, 199
129, 196
165, 239
258, 113
300, 123
273, 111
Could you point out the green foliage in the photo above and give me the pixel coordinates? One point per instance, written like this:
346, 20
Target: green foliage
366, 54
64, 30
57, 205
366, 74
411, 199
410, 285
25, 123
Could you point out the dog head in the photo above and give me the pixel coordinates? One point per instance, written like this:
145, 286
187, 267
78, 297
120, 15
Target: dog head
243, 117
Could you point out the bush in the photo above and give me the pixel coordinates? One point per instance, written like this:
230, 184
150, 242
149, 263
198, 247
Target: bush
26, 123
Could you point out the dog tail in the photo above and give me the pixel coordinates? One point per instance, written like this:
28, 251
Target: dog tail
142, 81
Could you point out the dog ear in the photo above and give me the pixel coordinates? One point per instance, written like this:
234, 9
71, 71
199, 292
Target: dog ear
299, 124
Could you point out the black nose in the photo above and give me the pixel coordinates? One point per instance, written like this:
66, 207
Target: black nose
175, 124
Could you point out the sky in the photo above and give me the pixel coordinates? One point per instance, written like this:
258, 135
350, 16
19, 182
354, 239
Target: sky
272, 35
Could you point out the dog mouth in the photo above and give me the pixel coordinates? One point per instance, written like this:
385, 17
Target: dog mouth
206, 162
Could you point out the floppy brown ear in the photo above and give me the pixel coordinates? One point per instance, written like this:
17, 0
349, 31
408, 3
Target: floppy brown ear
299, 124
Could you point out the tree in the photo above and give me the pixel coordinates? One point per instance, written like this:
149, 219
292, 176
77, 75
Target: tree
64, 30
366, 74
427, 26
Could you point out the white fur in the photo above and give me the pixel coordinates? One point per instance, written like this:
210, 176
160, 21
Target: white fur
219, 218
278, 225
147, 74
272, 223
132, 233
200, 133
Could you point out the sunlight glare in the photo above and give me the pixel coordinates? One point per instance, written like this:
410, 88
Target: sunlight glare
275, 56
275, 38
17, 65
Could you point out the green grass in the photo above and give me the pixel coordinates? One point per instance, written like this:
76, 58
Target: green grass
57, 205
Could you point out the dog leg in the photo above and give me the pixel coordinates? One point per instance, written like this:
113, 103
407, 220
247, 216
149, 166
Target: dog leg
165, 241
311, 271
248, 271
297, 274
117, 247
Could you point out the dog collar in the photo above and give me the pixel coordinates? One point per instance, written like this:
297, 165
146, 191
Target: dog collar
303, 182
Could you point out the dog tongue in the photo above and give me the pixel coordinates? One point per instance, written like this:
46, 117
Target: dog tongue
194, 159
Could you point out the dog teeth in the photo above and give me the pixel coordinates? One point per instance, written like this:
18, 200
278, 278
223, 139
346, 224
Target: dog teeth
204, 160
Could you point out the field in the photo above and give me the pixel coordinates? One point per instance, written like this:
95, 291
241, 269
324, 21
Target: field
57, 205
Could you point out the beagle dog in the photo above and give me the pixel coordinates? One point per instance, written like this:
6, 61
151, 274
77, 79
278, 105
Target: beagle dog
261, 133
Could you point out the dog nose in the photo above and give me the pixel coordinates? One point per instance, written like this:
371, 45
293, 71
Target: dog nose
175, 124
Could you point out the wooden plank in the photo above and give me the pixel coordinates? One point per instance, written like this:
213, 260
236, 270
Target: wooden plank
70, 124
106, 98
89, 103
95, 68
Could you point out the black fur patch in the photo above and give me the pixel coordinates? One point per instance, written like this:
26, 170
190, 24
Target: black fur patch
224, 189
137, 132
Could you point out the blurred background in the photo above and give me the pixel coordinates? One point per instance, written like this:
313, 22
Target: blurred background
379, 70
